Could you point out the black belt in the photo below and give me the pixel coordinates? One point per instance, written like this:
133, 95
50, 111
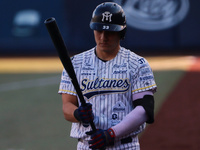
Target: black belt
126, 140
123, 141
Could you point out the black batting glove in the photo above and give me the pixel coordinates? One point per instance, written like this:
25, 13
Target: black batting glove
84, 114
101, 138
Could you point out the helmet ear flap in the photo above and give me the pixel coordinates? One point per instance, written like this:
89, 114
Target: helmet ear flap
122, 34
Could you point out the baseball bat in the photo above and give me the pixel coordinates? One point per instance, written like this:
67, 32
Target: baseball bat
61, 48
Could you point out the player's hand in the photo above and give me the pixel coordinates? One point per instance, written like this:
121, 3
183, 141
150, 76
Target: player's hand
84, 114
101, 138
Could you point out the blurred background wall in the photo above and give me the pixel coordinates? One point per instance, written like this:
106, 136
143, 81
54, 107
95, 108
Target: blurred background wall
154, 26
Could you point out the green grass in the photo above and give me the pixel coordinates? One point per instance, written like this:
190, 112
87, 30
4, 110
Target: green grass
31, 115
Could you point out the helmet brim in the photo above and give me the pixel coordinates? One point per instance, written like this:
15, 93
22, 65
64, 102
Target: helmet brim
106, 27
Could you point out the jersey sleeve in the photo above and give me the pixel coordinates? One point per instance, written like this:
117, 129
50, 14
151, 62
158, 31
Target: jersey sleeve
66, 85
143, 78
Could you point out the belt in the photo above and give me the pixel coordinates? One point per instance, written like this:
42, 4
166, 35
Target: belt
126, 140
123, 141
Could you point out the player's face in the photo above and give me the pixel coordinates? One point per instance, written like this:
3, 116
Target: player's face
107, 41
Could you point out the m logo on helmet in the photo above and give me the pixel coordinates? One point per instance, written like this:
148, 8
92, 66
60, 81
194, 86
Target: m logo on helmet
107, 16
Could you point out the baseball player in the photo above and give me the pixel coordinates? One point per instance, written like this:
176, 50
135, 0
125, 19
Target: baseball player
117, 84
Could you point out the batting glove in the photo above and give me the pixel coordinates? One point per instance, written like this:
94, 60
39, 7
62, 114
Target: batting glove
101, 138
84, 114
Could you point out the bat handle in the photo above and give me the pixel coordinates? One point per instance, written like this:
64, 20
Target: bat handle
93, 126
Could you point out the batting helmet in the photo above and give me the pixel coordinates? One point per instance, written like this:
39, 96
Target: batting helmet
109, 16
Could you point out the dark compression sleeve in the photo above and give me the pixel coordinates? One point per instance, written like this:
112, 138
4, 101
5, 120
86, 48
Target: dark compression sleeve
148, 103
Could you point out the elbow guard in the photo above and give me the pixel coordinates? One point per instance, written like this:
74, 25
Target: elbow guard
147, 102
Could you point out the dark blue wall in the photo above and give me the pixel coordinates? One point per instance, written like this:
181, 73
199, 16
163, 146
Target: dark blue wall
73, 19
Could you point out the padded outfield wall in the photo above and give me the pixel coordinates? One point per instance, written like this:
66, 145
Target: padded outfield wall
170, 26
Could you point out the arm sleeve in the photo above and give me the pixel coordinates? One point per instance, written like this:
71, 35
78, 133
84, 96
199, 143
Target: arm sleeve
131, 122
134, 119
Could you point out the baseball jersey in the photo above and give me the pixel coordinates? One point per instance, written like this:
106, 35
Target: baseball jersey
108, 86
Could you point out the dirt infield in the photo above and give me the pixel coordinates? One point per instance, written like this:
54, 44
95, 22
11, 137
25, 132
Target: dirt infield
30, 65
53, 64
177, 125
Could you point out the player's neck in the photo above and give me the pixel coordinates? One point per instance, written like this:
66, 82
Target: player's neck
105, 55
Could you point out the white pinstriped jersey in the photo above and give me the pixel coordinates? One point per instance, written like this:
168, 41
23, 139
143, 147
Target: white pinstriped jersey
108, 86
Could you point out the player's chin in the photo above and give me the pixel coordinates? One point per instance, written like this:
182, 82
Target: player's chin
104, 45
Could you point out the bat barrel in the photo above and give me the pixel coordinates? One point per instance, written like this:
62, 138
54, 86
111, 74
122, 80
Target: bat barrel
58, 42
49, 20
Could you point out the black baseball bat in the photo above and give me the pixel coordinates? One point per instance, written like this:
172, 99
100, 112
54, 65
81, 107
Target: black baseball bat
61, 48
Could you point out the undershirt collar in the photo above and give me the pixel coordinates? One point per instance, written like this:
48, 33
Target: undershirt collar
98, 57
